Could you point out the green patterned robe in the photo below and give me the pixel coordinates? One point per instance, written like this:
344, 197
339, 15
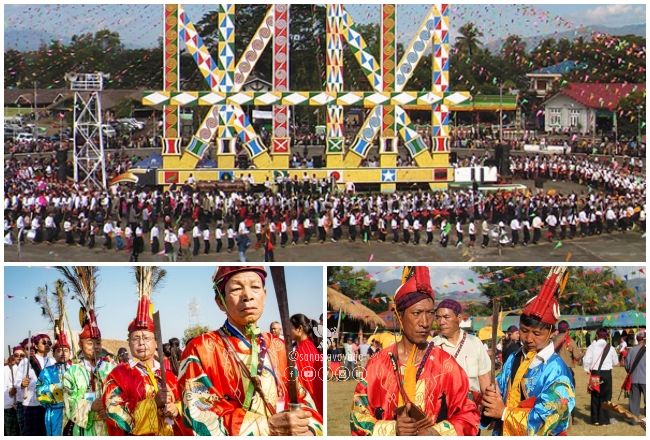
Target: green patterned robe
76, 384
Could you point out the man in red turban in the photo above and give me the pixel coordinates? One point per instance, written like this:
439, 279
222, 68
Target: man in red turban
234, 381
413, 387
136, 399
534, 393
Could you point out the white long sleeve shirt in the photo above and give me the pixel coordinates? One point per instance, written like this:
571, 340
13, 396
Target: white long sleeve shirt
10, 380
30, 391
594, 353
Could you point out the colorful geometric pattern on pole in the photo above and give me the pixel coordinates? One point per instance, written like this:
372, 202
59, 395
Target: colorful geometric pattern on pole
387, 79
171, 60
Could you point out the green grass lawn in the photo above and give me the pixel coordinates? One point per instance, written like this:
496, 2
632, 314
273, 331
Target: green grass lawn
339, 401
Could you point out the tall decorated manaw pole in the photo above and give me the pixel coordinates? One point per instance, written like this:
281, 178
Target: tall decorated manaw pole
281, 134
334, 83
388, 139
171, 136
225, 119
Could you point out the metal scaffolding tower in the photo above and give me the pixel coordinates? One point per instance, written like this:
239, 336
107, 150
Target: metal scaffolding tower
88, 136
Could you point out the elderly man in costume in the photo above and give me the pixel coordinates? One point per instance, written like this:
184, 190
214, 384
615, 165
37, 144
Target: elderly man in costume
49, 388
535, 393
83, 383
234, 381
466, 349
26, 377
136, 400
413, 387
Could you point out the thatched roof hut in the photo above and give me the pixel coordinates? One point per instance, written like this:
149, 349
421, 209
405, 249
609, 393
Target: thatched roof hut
355, 310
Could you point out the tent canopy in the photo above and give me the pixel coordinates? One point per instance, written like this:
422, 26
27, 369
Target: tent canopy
630, 318
355, 310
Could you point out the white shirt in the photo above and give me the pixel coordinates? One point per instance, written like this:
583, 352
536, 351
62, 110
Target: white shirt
543, 355
206, 234
108, 228
218, 233
514, 225
472, 358
594, 353
30, 392
155, 232
196, 232
9, 401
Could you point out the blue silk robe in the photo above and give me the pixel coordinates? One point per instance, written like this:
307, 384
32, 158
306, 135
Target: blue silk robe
548, 397
49, 392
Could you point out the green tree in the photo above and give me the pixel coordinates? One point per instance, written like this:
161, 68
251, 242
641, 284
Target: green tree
192, 332
515, 62
468, 41
632, 117
588, 291
353, 283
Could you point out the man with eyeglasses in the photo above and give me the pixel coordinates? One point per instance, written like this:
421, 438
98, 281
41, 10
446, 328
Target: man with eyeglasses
26, 377
49, 388
136, 400
13, 395
234, 380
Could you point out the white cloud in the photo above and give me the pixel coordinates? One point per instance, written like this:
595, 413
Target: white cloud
613, 14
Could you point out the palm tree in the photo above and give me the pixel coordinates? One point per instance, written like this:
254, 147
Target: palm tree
468, 41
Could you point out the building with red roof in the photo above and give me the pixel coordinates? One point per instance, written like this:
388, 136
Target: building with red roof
585, 107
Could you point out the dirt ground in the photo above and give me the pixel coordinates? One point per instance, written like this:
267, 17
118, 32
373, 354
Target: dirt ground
339, 401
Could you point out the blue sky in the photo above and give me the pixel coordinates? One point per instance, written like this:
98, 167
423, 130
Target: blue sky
141, 25
116, 299
446, 279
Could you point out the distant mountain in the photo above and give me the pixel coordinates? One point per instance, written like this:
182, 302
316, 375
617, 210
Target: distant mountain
29, 39
638, 284
388, 287
587, 31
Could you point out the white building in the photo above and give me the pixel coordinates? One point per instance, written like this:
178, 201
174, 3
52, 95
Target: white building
583, 108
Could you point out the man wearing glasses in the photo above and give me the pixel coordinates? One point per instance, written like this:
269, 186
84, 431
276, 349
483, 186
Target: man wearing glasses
26, 376
137, 399
13, 395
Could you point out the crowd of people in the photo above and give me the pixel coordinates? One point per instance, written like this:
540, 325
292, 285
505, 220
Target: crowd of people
232, 381
542, 355
470, 138
184, 220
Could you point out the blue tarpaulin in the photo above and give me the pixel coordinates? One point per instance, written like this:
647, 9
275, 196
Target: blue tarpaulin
151, 162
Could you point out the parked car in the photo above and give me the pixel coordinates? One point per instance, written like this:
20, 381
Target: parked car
25, 137
108, 131
135, 123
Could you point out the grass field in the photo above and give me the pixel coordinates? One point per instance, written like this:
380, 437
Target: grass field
339, 400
